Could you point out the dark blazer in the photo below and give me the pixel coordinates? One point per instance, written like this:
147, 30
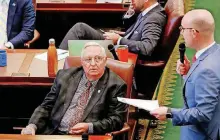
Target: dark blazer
20, 22
103, 109
147, 34
200, 120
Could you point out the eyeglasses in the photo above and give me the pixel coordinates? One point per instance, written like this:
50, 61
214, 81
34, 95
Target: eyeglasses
182, 29
97, 59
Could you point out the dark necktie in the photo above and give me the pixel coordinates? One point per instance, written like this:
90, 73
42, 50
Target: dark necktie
81, 104
135, 25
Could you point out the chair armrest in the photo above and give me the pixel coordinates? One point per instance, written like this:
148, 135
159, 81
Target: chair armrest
125, 129
151, 63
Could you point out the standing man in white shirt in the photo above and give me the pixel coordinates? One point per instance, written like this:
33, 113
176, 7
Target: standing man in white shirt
17, 19
141, 38
199, 118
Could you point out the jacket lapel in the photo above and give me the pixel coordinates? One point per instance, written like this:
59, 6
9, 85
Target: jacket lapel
137, 23
72, 86
201, 58
11, 12
97, 94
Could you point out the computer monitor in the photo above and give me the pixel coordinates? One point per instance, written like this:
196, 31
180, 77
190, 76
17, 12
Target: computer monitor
75, 46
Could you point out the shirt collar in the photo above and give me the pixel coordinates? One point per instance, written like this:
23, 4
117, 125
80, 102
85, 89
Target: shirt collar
84, 78
149, 8
198, 53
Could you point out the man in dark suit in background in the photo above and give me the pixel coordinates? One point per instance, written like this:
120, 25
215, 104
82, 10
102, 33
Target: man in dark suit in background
142, 37
17, 19
82, 100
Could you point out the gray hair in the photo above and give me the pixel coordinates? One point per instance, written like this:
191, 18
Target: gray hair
89, 44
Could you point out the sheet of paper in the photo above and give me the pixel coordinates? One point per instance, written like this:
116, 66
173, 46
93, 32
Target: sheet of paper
109, 1
61, 55
148, 105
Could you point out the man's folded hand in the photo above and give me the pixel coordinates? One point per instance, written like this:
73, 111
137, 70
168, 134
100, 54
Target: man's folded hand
79, 128
29, 130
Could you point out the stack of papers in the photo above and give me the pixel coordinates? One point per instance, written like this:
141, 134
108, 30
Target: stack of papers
148, 105
61, 54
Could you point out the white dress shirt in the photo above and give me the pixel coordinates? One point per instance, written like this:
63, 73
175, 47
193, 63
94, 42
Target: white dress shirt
198, 53
4, 6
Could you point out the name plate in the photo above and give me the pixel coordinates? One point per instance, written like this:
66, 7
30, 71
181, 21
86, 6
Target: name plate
20, 74
57, 1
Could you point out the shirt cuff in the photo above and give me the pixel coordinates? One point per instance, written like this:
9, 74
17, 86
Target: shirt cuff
118, 42
90, 131
9, 44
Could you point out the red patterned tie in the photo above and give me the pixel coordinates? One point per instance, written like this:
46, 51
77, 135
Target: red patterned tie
194, 59
81, 104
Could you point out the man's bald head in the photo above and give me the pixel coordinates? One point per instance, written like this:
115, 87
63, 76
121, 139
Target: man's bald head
198, 28
201, 20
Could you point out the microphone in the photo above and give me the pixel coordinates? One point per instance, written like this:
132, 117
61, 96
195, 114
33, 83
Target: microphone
182, 49
112, 50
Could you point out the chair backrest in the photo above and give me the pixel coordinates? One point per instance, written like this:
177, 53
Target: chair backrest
175, 11
75, 46
124, 70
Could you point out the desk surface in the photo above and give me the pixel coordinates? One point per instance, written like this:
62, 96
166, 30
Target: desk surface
23, 61
80, 5
50, 137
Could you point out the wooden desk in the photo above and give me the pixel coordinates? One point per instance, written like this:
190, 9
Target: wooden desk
50, 137
82, 5
23, 61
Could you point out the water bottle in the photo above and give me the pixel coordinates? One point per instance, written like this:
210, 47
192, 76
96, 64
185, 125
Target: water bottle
3, 58
52, 62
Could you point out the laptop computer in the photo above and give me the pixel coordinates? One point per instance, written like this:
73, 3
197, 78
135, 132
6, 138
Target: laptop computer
76, 46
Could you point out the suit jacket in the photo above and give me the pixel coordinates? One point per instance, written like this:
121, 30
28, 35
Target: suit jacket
202, 89
20, 22
103, 109
146, 35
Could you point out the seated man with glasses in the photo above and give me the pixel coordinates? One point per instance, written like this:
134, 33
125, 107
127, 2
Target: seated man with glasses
82, 99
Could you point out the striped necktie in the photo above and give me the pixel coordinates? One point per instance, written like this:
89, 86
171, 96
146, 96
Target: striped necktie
3, 21
81, 104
